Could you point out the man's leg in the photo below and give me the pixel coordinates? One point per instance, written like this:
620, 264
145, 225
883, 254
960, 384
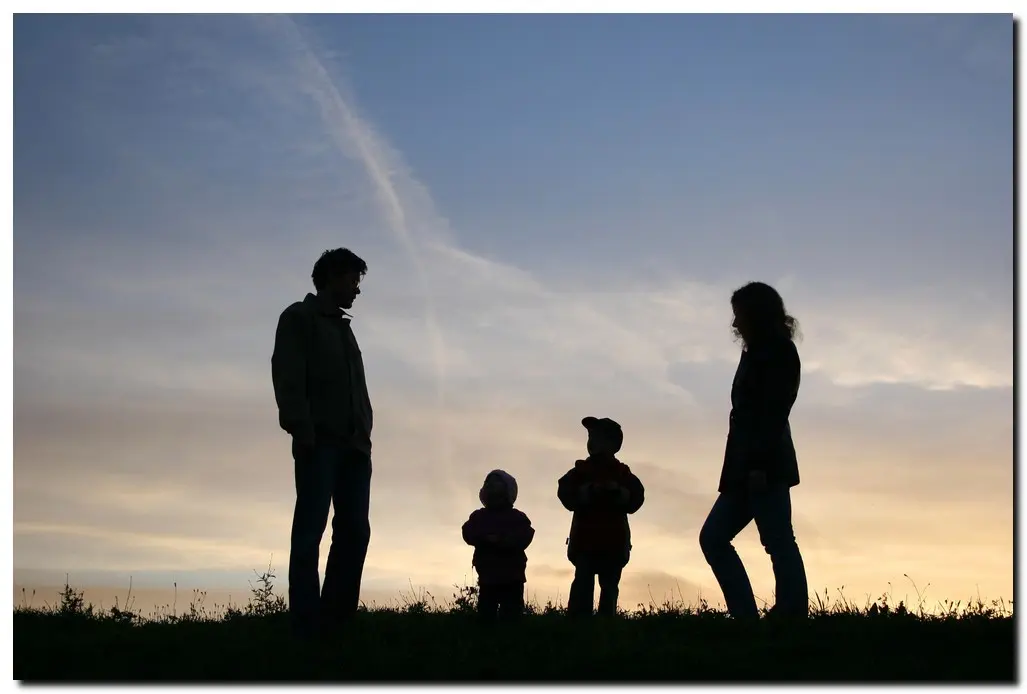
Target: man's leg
728, 517
773, 513
609, 588
579, 602
488, 602
314, 480
351, 533
511, 601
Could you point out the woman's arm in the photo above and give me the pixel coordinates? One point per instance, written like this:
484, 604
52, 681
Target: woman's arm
775, 373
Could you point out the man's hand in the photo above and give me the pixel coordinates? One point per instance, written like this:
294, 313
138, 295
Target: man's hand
492, 539
757, 482
304, 443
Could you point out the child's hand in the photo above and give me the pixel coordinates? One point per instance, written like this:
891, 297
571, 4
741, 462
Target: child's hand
611, 492
623, 495
585, 492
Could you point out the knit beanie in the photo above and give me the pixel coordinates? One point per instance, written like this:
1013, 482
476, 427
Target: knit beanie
508, 481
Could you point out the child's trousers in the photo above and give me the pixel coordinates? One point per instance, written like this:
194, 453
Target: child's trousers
586, 570
500, 600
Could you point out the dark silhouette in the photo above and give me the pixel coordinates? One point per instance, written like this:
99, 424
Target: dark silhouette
499, 534
760, 465
600, 491
321, 391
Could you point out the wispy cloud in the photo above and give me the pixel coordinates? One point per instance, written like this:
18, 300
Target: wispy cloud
353, 135
982, 43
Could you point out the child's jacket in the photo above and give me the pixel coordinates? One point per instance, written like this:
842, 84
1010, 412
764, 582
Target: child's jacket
503, 561
599, 526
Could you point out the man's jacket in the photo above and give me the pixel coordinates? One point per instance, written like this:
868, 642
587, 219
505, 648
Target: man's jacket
318, 376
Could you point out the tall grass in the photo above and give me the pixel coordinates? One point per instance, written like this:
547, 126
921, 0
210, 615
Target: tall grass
265, 601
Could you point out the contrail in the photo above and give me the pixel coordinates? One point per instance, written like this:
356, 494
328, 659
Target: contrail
349, 131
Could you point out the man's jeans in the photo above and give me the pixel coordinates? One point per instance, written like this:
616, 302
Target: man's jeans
339, 476
772, 511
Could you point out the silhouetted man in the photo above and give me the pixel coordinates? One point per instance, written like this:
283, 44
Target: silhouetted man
319, 383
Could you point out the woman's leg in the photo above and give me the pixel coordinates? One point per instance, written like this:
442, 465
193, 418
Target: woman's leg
773, 513
728, 517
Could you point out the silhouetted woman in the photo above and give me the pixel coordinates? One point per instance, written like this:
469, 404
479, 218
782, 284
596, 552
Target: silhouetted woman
760, 466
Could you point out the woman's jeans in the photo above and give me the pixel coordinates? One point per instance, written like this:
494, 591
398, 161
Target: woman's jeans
772, 511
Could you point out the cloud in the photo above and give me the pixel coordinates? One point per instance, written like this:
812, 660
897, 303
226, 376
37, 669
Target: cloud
124, 549
983, 44
656, 588
353, 136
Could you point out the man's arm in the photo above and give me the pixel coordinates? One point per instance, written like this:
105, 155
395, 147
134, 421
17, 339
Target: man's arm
289, 377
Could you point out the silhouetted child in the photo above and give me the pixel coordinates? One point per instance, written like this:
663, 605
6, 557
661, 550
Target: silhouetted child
601, 491
499, 534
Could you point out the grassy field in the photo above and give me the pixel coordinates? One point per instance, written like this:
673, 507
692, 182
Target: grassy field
424, 641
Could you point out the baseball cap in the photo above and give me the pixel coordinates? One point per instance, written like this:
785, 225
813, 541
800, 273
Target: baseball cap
606, 426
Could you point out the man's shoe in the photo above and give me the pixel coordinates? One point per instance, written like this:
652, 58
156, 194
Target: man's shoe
333, 625
776, 615
311, 627
306, 631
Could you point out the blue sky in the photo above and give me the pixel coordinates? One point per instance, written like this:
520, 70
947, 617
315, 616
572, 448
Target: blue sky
555, 211
841, 128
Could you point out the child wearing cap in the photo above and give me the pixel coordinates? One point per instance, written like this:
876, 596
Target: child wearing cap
600, 491
499, 534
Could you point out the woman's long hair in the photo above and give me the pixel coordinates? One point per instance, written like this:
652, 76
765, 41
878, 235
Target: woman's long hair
764, 312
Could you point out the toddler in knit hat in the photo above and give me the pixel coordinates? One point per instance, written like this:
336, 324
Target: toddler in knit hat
499, 534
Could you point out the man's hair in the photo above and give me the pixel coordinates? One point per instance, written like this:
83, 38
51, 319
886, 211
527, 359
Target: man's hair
765, 309
335, 262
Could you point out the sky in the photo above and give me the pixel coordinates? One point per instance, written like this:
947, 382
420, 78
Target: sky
554, 211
